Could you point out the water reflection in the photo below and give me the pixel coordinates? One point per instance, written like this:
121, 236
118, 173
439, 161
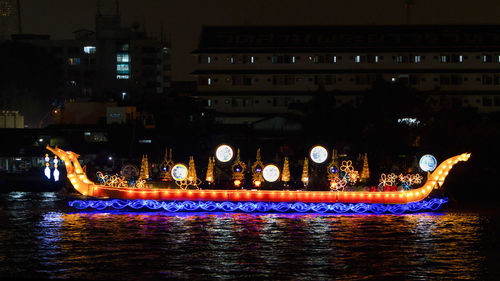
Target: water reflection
39, 240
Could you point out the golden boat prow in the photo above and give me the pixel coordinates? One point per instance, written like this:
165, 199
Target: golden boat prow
83, 185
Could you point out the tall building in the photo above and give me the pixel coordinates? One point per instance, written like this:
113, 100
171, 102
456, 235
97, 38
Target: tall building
247, 73
110, 62
10, 21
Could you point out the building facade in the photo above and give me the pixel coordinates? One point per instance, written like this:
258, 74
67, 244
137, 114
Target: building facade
263, 70
110, 62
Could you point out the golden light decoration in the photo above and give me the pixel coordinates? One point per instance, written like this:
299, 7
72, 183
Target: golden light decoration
285, 177
210, 170
305, 173
140, 183
191, 180
387, 180
257, 167
350, 174
333, 167
114, 180
144, 174
365, 172
238, 168
166, 166
338, 183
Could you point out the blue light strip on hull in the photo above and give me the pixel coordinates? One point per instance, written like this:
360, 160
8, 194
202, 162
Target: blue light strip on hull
261, 207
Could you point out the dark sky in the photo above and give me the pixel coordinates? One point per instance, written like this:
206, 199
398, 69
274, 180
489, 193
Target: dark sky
183, 19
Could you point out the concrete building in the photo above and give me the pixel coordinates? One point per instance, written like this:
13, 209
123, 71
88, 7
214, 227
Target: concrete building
11, 119
110, 62
257, 71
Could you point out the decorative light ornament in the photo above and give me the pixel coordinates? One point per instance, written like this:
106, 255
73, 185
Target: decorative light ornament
428, 163
257, 167
271, 173
47, 166
285, 177
305, 173
365, 172
318, 154
224, 153
238, 169
144, 174
210, 170
179, 172
56, 171
166, 166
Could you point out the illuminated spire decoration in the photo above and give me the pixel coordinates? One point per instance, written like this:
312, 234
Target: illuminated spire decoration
333, 167
305, 173
365, 172
285, 175
191, 170
166, 166
210, 170
238, 170
144, 174
257, 168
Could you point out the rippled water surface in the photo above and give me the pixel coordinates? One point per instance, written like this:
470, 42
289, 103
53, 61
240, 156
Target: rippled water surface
41, 237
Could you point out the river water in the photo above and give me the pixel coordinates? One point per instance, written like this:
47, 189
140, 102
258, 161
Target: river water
41, 237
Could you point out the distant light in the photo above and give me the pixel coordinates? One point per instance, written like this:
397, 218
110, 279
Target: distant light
393, 79
123, 95
318, 154
179, 172
40, 140
224, 153
428, 163
87, 133
145, 141
409, 121
110, 158
271, 173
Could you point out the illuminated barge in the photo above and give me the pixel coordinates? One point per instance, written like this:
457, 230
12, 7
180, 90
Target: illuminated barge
102, 196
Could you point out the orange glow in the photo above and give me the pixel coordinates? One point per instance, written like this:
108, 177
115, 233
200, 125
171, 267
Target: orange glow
237, 183
256, 183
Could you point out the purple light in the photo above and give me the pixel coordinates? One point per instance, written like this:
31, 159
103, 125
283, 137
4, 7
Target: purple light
261, 207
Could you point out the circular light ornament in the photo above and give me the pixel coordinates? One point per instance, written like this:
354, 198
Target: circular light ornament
428, 163
271, 173
224, 153
179, 172
318, 154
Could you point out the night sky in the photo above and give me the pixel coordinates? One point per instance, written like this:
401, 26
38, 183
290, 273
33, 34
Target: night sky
183, 19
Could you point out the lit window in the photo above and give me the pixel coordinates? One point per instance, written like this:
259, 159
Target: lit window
252, 59
122, 76
232, 59
376, 59
209, 102
460, 58
89, 50
293, 59
444, 59
417, 59
74, 61
209, 81
358, 59
122, 57
123, 68
209, 59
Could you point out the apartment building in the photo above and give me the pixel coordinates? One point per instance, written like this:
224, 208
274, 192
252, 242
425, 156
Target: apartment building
262, 70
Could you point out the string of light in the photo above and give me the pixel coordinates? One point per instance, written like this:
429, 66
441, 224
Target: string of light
340, 208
